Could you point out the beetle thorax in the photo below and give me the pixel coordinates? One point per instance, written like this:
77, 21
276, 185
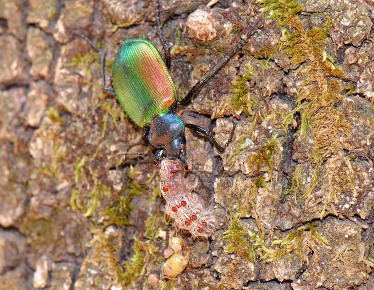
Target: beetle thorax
167, 132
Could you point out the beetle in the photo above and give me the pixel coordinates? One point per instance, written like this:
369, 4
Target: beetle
143, 86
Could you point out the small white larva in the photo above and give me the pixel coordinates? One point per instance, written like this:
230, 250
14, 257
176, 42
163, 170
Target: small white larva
186, 208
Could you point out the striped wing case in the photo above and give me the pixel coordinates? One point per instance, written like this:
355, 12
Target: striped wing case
142, 82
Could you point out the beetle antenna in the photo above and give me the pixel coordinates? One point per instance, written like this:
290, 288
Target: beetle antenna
129, 153
165, 44
86, 38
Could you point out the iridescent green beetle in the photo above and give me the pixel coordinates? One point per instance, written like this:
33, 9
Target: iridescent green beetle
145, 90
141, 81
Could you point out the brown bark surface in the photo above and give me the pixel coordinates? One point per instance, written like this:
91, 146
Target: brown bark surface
292, 195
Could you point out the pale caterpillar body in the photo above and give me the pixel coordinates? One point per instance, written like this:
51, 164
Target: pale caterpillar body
186, 208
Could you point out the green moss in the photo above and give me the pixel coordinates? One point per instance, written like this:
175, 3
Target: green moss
169, 285
116, 208
120, 206
297, 241
305, 118
332, 133
95, 197
314, 181
249, 245
134, 266
238, 241
52, 168
132, 172
111, 109
180, 50
154, 222
106, 254
261, 182
338, 180
54, 115
295, 182
179, 39
242, 100
370, 254
265, 156
281, 10
74, 202
118, 212
127, 24
268, 151
84, 61
321, 88
79, 172
317, 97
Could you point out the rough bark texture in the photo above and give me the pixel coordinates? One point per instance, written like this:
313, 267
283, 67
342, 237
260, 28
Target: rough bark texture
292, 194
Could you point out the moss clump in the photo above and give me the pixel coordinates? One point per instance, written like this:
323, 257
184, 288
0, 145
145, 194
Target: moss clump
54, 116
106, 254
268, 151
95, 196
243, 100
118, 211
281, 10
249, 245
245, 143
331, 132
298, 241
145, 257
264, 159
169, 285
134, 266
321, 87
120, 206
153, 223
322, 123
295, 182
76, 202
53, 167
116, 208
111, 109
239, 241
84, 61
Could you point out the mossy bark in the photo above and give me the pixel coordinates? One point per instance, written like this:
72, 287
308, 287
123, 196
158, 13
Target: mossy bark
292, 193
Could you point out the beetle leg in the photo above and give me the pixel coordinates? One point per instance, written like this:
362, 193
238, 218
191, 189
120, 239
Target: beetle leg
209, 135
165, 45
205, 79
146, 133
108, 90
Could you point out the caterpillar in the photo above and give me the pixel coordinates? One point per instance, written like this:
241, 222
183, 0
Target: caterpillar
186, 208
